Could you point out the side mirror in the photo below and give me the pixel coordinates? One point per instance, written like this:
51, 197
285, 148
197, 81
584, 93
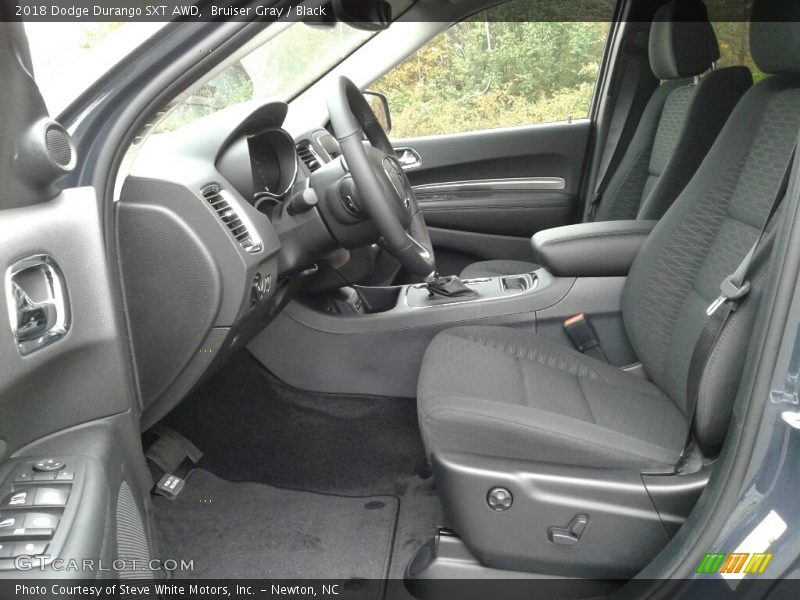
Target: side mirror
380, 106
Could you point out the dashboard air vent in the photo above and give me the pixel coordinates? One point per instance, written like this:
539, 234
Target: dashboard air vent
220, 201
308, 156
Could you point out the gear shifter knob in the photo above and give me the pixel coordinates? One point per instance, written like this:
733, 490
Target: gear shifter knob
449, 286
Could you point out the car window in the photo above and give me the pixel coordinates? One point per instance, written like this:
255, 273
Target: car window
730, 19
500, 69
90, 49
280, 68
273, 70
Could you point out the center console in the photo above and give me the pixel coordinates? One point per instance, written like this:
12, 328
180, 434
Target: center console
371, 340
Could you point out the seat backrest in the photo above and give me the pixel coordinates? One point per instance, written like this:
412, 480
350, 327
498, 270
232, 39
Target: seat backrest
712, 225
682, 118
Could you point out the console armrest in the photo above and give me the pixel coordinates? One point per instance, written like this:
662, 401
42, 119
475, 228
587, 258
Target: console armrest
603, 249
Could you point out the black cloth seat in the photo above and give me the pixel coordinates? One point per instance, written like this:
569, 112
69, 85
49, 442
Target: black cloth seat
500, 392
680, 123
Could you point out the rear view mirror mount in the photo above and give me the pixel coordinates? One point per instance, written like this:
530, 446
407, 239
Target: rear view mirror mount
369, 15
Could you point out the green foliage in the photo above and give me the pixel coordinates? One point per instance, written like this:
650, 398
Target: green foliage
484, 74
734, 46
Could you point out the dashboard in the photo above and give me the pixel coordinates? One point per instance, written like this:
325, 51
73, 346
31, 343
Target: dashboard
217, 224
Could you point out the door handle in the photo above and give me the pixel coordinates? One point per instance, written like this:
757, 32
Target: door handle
37, 303
408, 158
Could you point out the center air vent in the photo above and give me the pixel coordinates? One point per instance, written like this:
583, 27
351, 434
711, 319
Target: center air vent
310, 158
220, 201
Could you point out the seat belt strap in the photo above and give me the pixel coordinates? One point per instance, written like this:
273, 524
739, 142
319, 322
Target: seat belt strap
621, 127
732, 290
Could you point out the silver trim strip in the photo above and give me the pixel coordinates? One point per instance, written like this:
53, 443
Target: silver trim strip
499, 292
510, 184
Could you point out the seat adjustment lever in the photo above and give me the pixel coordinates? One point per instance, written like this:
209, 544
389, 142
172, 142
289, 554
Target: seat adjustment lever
571, 534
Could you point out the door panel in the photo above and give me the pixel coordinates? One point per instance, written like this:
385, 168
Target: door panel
485, 193
69, 430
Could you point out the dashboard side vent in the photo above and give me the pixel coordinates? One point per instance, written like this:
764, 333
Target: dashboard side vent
308, 156
220, 201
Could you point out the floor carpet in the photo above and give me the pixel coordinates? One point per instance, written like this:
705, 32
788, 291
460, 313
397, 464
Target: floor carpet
331, 450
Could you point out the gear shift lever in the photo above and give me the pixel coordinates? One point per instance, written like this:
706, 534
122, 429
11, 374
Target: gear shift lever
449, 286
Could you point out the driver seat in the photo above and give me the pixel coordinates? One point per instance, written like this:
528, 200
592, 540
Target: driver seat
506, 397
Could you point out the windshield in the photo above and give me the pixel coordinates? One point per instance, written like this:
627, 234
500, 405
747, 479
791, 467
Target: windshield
69, 57
280, 68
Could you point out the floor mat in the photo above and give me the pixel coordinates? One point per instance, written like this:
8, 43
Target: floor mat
253, 530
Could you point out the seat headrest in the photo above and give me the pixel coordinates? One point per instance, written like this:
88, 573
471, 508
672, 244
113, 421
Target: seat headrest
775, 36
682, 40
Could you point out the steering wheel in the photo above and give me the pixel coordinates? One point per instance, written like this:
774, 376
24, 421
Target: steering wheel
381, 181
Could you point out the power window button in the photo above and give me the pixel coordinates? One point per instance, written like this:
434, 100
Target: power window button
10, 524
46, 496
18, 499
29, 548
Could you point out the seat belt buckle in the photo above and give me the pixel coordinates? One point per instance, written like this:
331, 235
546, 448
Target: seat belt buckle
728, 291
581, 333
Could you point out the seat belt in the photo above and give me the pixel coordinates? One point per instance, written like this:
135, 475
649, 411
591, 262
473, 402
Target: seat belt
732, 290
622, 127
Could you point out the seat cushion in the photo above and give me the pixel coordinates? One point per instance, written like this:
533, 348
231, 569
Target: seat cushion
497, 268
502, 392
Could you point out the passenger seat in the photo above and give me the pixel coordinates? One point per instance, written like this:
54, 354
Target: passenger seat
679, 124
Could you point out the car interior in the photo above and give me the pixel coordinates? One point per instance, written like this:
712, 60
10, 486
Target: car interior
281, 343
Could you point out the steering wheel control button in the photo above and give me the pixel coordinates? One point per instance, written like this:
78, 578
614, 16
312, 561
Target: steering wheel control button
499, 499
48, 464
18, 499
47, 496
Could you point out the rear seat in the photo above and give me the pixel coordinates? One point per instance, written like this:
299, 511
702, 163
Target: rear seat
679, 124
